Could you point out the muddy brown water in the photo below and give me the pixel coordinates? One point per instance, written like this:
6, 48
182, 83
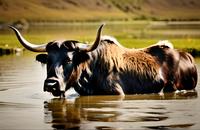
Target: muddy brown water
23, 105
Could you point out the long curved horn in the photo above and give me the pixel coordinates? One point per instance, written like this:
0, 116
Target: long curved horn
28, 45
97, 41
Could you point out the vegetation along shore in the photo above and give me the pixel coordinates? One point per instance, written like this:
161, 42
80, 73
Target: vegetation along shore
135, 23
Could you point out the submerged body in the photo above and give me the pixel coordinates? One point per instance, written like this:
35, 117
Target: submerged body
108, 68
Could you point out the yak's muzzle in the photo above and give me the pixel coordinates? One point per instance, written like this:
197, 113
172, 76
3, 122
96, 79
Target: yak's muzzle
52, 86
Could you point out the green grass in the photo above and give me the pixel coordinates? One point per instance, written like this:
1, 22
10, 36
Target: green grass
178, 43
129, 34
11, 41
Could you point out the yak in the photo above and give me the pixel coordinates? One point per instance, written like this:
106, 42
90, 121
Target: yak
108, 68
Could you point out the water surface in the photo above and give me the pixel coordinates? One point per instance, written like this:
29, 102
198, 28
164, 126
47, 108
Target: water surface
23, 105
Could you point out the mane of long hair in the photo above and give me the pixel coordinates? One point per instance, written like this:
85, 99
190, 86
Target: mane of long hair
113, 57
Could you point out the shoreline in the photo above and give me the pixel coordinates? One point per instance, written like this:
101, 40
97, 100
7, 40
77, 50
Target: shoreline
24, 25
11, 51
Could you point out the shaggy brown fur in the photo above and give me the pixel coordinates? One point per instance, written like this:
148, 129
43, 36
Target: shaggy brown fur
113, 69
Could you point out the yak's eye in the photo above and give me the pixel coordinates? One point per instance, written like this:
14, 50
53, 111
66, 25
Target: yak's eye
68, 60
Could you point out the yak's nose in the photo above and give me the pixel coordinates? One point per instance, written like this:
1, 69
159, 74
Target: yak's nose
51, 85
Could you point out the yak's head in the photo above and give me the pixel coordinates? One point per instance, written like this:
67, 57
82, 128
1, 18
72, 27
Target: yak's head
59, 59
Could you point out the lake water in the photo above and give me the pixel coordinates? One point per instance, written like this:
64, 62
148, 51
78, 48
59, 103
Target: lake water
24, 105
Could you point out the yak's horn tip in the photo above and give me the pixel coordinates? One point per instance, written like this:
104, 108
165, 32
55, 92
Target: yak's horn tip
103, 24
13, 28
10, 26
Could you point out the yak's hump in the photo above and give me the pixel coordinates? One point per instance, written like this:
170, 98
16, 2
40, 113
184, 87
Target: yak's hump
165, 43
110, 40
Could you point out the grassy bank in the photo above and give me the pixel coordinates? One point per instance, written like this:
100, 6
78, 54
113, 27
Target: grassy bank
9, 43
134, 34
9, 40
190, 45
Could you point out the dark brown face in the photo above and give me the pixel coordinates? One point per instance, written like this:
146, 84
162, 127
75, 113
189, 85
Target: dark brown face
59, 65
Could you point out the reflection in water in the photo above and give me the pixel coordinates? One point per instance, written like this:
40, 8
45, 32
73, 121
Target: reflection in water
113, 112
170, 126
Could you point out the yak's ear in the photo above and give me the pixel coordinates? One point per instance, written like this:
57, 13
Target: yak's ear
42, 58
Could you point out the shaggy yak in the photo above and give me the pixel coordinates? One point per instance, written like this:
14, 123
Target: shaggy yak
108, 68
